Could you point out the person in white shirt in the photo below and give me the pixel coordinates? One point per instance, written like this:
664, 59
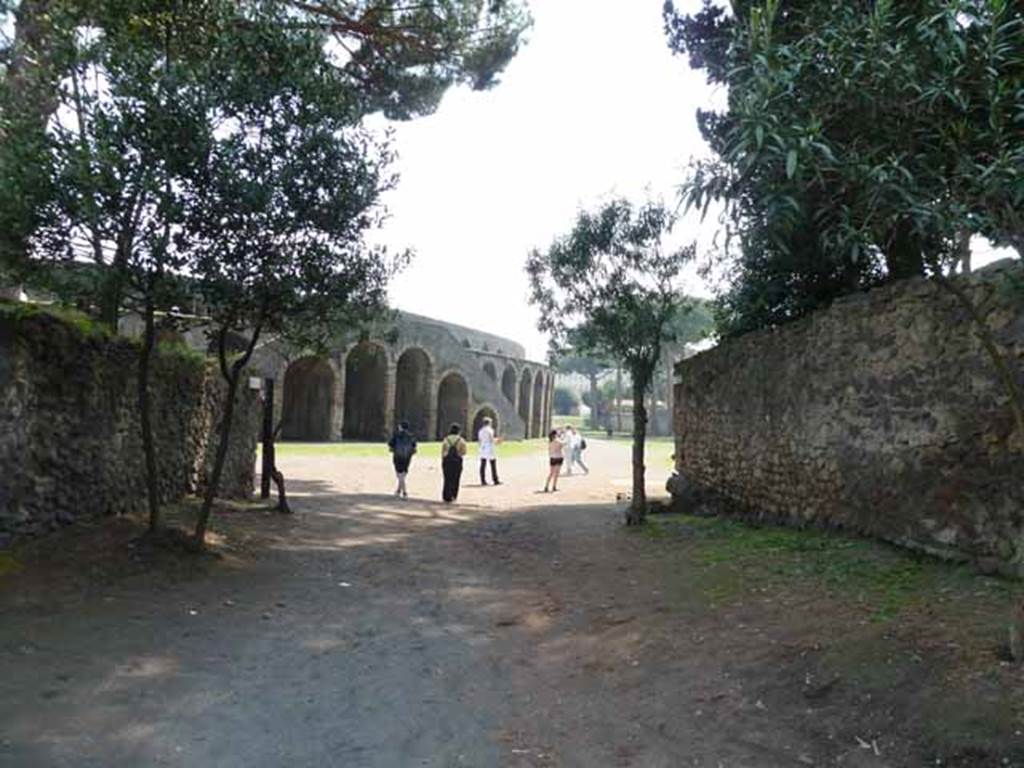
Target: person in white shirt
487, 441
574, 447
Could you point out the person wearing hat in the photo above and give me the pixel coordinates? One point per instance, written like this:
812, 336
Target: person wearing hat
487, 441
402, 446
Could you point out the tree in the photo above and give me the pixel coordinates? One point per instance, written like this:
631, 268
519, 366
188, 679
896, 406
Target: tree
169, 110
129, 123
593, 368
566, 402
286, 193
611, 288
863, 142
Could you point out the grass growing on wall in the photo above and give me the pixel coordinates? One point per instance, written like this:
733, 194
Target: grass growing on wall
16, 311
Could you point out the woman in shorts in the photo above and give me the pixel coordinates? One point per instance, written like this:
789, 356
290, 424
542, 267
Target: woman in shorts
556, 457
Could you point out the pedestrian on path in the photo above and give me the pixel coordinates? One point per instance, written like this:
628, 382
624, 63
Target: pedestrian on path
556, 456
575, 444
402, 446
453, 448
488, 441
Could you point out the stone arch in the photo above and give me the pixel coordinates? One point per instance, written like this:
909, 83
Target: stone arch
478, 420
413, 390
524, 400
452, 403
538, 403
308, 410
491, 371
366, 376
508, 384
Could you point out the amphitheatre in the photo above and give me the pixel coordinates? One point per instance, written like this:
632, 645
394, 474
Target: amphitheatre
427, 372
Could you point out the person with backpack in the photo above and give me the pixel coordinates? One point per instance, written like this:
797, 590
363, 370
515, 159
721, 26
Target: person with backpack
402, 446
575, 444
453, 448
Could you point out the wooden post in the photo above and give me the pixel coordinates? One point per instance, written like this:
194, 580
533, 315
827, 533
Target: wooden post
267, 468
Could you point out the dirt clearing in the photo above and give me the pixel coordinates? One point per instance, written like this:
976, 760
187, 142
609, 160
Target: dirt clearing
512, 629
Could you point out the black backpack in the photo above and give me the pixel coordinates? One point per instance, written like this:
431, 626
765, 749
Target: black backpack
405, 446
583, 443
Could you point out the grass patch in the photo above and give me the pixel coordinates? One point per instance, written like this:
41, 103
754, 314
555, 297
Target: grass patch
357, 450
18, 310
736, 557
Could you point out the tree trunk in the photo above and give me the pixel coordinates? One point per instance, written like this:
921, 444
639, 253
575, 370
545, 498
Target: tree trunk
213, 482
669, 379
282, 498
637, 512
618, 398
231, 376
145, 415
275, 473
903, 255
595, 410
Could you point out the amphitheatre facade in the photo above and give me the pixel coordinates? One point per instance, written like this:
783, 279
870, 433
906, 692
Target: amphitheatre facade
424, 371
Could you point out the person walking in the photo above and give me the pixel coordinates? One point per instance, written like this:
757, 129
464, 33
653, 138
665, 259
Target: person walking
576, 444
488, 452
402, 446
453, 448
556, 456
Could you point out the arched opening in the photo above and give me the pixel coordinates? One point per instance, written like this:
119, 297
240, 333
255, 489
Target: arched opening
508, 384
490, 371
478, 420
538, 404
412, 392
452, 404
524, 401
366, 372
308, 401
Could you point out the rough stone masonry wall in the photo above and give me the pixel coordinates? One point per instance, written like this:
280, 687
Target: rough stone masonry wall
70, 443
881, 414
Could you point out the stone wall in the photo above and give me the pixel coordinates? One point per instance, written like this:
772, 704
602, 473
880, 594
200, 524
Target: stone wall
881, 414
70, 444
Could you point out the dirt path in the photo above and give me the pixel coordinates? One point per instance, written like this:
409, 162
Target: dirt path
512, 629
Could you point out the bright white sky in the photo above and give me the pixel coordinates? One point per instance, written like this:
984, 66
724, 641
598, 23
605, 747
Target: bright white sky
594, 105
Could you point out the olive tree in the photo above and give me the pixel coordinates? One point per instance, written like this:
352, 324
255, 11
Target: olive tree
610, 288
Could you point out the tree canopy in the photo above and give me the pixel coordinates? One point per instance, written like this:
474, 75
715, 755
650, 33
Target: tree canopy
863, 141
610, 288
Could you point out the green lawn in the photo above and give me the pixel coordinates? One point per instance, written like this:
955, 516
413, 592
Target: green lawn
737, 559
353, 450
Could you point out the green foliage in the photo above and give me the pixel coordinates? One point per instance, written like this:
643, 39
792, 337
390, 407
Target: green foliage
180, 351
609, 289
103, 181
862, 141
81, 323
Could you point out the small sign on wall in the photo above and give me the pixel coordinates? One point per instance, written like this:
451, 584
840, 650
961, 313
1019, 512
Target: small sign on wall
255, 382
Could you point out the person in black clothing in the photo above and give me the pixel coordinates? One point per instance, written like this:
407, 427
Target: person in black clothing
403, 446
453, 448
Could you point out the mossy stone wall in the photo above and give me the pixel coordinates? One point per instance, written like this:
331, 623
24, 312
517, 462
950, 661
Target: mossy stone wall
70, 441
881, 414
